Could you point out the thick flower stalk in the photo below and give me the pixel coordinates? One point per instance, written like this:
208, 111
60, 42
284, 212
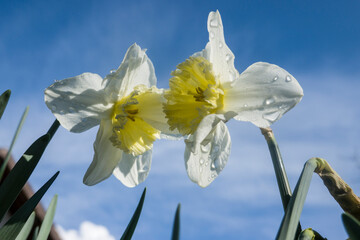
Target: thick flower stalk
127, 106
206, 91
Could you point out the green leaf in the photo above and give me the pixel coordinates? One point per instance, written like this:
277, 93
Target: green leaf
8, 154
36, 232
352, 226
48, 220
4, 99
176, 227
290, 221
18, 176
12, 227
25, 231
13, 183
129, 231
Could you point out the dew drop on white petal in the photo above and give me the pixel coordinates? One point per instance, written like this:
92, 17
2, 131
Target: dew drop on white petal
112, 70
207, 163
209, 179
53, 107
271, 116
275, 79
232, 75
213, 175
269, 101
245, 105
212, 35
202, 161
205, 148
212, 165
214, 23
228, 57
288, 78
201, 169
220, 45
71, 110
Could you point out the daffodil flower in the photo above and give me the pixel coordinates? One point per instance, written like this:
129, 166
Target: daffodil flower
206, 91
127, 106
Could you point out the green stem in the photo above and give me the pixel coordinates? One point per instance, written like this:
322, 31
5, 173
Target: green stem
281, 177
54, 127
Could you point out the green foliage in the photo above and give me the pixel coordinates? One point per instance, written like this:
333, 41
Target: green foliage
352, 226
12, 227
129, 231
8, 154
293, 211
25, 231
4, 99
48, 220
176, 227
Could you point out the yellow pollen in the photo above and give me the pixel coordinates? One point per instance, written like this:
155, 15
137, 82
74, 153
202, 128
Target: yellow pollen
131, 133
194, 93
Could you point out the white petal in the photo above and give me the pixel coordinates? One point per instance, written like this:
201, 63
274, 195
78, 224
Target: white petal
218, 53
262, 94
131, 170
106, 156
78, 102
135, 69
210, 156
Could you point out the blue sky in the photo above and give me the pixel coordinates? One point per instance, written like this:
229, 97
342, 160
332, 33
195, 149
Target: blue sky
318, 43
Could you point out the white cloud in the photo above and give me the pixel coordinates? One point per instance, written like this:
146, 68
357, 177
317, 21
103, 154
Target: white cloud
87, 231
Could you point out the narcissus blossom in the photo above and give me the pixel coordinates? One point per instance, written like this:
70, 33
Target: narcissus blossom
206, 91
127, 106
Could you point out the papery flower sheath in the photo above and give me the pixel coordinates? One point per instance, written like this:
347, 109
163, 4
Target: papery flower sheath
206, 91
127, 106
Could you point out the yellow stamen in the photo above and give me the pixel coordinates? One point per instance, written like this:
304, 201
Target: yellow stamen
194, 93
130, 132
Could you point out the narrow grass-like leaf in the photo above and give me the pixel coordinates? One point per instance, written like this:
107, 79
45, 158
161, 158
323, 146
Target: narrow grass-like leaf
36, 232
129, 231
290, 221
12, 227
48, 220
8, 154
18, 176
13, 183
25, 231
4, 99
176, 228
352, 226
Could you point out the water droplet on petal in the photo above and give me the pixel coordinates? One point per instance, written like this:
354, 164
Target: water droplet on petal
245, 105
53, 107
269, 101
275, 79
209, 179
213, 165
205, 148
214, 23
288, 78
71, 110
178, 71
202, 161
271, 116
228, 57
213, 175
207, 163
232, 76
220, 45
112, 70
201, 169
212, 35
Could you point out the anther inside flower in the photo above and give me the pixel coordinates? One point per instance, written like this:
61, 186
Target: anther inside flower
195, 92
131, 133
